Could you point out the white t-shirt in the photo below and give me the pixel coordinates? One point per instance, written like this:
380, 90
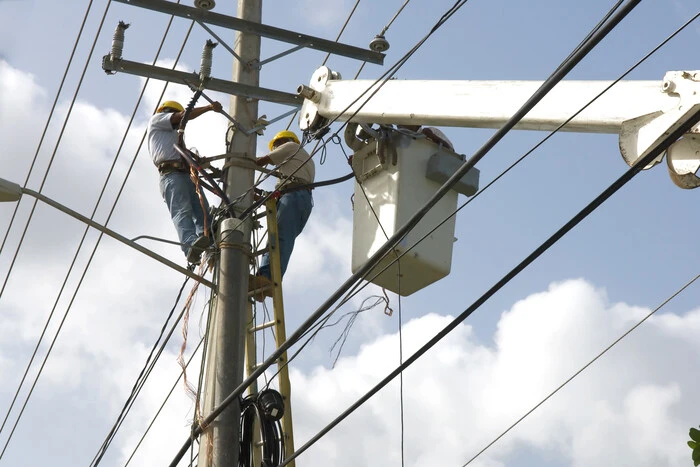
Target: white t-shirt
299, 158
161, 138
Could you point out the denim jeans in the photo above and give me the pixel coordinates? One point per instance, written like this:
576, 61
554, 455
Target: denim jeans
293, 210
180, 195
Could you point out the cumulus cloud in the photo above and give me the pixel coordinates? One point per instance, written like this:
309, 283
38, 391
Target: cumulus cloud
633, 407
628, 409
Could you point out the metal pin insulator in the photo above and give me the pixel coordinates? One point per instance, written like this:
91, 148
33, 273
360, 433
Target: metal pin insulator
205, 66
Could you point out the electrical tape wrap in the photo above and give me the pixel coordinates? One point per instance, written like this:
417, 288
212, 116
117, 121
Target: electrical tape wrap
186, 117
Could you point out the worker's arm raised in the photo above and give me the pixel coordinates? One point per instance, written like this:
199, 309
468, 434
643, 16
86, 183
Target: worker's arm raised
176, 117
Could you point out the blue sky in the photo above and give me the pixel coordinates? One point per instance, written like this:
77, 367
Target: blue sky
584, 292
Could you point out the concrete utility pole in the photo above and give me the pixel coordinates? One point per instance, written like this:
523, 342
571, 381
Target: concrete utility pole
226, 341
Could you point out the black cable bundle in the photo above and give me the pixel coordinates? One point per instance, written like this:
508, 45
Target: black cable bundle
188, 110
267, 407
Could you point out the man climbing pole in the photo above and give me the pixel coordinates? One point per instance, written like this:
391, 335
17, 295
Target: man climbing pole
187, 209
295, 204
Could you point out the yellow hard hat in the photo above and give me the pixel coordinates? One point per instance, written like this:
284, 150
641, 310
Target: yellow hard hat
283, 134
170, 105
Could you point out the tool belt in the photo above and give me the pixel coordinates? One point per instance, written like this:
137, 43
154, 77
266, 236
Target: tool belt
294, 186
173, 166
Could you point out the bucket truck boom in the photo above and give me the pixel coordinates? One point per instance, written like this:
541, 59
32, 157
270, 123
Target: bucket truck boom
640, 112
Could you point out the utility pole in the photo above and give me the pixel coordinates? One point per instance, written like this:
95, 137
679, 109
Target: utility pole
226, 340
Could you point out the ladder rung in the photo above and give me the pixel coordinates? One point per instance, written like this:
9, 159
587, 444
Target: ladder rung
269, 324
260, 215
261, 290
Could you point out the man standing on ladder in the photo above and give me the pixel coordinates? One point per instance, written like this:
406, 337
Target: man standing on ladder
295, 204
187, 209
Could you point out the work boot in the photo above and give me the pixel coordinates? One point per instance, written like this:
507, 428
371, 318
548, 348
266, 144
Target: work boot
197, 248
261, 285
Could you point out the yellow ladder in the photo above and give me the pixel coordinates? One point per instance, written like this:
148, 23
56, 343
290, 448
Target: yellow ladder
277, 323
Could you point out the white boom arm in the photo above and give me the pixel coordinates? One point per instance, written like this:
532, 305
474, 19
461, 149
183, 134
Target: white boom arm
641, 112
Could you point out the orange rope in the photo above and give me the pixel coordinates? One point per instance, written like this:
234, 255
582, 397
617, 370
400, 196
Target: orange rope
195, 179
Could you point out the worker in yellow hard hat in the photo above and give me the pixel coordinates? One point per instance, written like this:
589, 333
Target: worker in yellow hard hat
176, 187
294, 206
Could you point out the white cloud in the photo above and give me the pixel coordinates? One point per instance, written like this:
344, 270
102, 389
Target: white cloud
628, 409
633, 407
325, 14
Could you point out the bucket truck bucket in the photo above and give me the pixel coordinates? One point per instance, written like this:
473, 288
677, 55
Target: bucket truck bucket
392, 184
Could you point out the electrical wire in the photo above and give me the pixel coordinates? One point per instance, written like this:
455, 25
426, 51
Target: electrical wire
46, 126
615, 342
55, 149
140, 379
121, 189
340, 33
85, 232
309, 322
523, 157
401, 403
322, 324
386, 28
160, 409
592, 206
560, 71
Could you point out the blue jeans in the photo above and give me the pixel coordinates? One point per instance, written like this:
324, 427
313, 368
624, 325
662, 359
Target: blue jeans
180, 195
293, 210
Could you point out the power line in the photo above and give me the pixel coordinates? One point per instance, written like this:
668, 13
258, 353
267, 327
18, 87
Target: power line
82, 240
391, 21
519, 160
55, 149
160, 409
676, 293
46, 127
141, 378
82, 277
558, 74
310, 321
619, 183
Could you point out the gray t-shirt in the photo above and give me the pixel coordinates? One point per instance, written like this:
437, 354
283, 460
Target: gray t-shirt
161, 138
299, 158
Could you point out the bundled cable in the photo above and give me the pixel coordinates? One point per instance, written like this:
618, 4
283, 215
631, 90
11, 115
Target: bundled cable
268, 408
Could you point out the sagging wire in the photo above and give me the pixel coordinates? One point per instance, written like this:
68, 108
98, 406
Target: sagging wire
160, 409
352, 316
189, 389
31, 390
